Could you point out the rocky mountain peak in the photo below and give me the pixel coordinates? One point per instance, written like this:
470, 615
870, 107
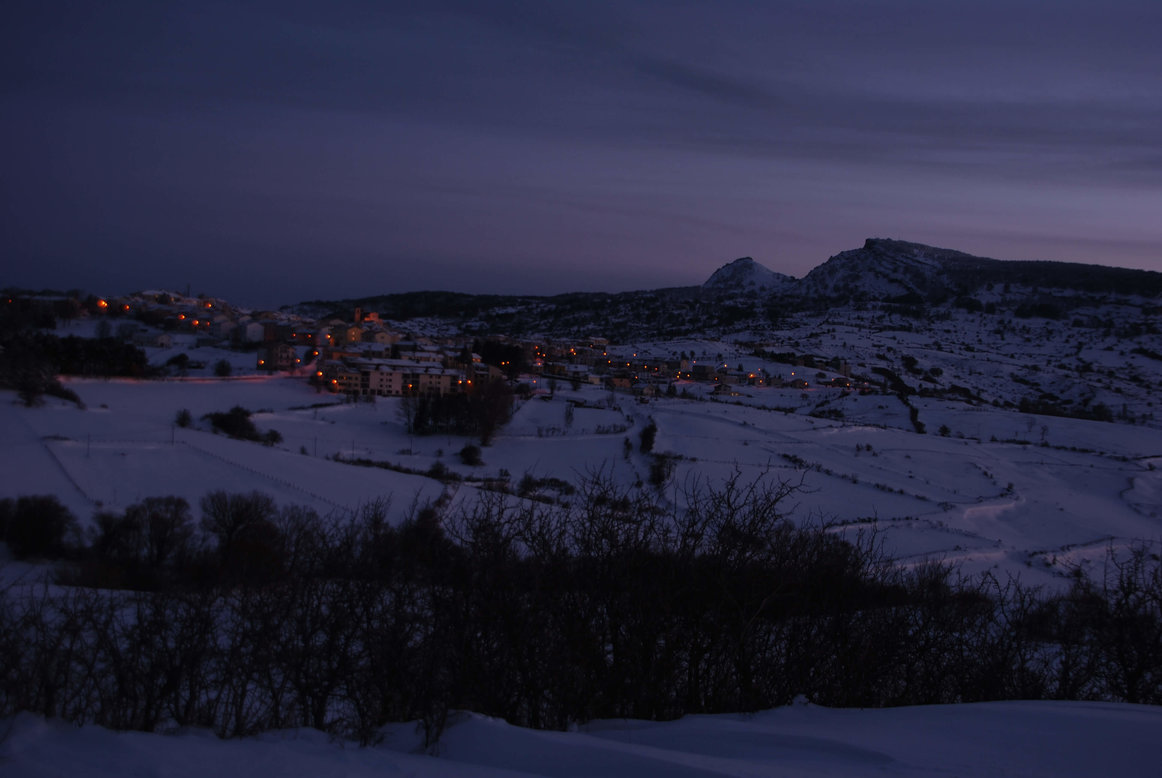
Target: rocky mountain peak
744, 274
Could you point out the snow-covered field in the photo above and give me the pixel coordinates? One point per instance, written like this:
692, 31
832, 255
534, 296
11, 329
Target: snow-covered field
974, 497
1029, 739
124, 446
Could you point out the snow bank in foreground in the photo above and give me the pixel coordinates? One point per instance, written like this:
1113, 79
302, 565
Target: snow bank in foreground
1055, 739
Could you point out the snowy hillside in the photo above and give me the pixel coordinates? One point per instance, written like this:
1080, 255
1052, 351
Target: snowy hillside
1034, 740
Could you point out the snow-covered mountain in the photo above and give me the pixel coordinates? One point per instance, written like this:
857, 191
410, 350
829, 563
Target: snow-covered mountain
887, 270
745, 294
896, 270
881, 270
746, 275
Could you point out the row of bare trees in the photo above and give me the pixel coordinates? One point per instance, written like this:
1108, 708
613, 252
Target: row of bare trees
261, 617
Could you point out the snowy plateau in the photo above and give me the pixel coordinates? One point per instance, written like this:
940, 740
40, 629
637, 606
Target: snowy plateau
1003, 424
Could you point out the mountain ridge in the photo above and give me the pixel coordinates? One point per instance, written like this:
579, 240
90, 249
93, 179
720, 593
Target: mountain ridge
882, 272
887, 269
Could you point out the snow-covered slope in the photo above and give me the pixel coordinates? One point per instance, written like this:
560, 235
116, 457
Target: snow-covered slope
1031, 739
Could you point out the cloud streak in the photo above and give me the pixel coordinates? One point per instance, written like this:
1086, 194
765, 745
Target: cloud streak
727, 116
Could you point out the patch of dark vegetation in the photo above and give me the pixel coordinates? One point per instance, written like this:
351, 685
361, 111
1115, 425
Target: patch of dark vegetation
32, 362
895, 384
470, 455
237, 423
72, 355
37, 527
438, 470
1041, 310
532, 487
820, 412
649, 434
480, 411
1046, 406
914, 418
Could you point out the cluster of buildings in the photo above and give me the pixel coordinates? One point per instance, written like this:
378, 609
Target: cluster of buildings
366, 357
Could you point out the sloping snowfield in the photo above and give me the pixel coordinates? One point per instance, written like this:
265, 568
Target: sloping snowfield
1029, 739
124, 446
1010, 493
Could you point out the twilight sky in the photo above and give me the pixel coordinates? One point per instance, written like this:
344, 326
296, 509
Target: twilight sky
277, 150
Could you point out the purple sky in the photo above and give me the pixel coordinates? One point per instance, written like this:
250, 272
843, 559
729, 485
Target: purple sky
271, 152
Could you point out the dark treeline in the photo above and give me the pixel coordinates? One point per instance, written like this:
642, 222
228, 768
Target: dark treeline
260, 617
31, 362
480, 411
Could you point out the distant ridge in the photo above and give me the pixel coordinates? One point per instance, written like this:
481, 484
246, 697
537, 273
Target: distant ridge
883, 271
888, 270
